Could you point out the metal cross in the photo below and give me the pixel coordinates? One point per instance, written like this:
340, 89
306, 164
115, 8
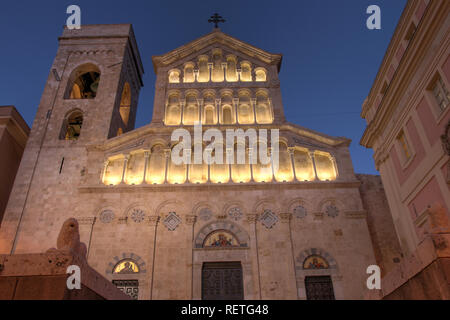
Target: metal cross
216, 18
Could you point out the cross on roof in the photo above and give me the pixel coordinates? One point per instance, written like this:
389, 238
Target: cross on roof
216, 19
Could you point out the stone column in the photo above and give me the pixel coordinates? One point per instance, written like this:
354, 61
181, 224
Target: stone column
153, 226
336, 171
253, 105
235, 105
271, 163
182, 104
218, 111
166, 168
269, 100
210, 68
146, 157
190, 221
224, 69
250, 156
105, 167
291, 291
227, 152
188, 153
291, 151
196, 74
124, 170
311, 154
253, 244
200, 109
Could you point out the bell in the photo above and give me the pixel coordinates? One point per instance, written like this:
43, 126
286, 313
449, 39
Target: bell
94, 85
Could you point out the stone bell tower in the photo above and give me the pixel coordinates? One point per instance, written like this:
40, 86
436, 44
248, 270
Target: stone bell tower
91, 95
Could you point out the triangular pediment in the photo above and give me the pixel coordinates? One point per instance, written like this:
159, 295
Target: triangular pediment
216, 37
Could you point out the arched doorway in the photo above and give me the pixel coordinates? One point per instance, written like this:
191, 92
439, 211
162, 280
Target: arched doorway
222, 267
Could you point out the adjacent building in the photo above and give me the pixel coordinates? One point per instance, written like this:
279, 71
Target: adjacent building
14, 133
408, 113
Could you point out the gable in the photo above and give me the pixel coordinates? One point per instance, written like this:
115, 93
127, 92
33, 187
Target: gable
217, 39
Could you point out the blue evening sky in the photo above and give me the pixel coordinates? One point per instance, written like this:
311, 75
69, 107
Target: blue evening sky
330, 58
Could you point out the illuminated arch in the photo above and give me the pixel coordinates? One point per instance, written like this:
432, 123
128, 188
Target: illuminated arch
174, 76
118, 262
220, 239
189, 72
125, 104
83, 82
260, 74
71, 127
126, 266
226, 227
305, 260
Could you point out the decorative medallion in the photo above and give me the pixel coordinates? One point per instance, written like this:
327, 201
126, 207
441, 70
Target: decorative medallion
138, 215
106, 216
268, 219
235, 213
172, 221
332, 211
205, 214
300, 212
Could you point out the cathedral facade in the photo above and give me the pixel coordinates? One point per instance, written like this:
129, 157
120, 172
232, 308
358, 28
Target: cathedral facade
162, 230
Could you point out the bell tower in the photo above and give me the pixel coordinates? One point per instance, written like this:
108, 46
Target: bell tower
91, 95
93, 87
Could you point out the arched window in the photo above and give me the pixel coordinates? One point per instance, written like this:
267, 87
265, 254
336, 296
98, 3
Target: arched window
174, 76
203, 69
227, 114
260, 74
263, 111
304, 169
71, 128
217, 72
135, 168
240, 169
284, 172
219, 173
189, 73
246, 71
176, 173
209, 115
325, 167
83, 82
262, 170
113, 172
198, 173
190, 113
156, 166
173, 110
125, 104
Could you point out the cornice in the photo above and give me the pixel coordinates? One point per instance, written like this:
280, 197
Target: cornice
189, 187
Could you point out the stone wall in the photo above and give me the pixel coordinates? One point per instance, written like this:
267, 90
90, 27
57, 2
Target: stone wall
382, 231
